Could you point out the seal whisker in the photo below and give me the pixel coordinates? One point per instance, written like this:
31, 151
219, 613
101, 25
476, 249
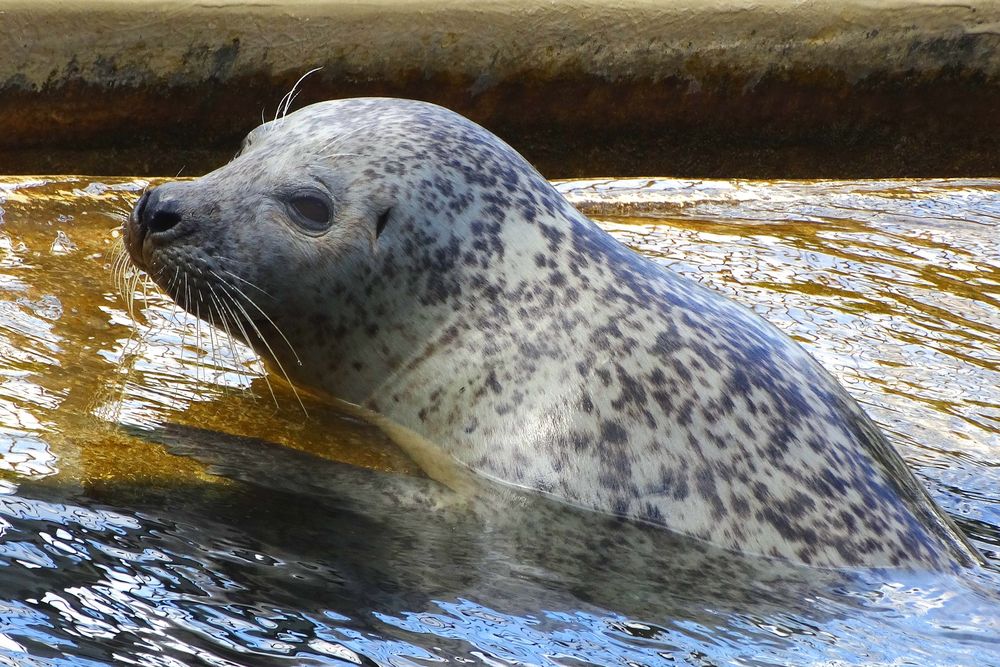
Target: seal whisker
130, 287
143, 288
117, 264
119, 271
224, 323
231, 289
199, 346
239, 324
120, 213
136, 282
115, 251
173, 287
125, 291
340, 139
327, 156
286, 102
189, 303
267, 317
241, 373
208, 359
213, 339
244, 281
144, 281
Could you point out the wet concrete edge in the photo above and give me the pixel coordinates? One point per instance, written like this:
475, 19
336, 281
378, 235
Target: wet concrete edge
723, 88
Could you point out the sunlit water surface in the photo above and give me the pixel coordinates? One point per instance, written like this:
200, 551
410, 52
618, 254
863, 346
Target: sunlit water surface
116, 550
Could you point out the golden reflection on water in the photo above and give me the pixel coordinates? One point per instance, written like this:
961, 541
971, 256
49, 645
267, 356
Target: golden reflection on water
894, 286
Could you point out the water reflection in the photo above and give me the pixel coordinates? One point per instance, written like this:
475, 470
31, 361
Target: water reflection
242, 551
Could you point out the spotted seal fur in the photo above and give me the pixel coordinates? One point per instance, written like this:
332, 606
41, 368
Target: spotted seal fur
419, 267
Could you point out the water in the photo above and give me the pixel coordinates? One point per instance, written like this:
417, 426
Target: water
115, 549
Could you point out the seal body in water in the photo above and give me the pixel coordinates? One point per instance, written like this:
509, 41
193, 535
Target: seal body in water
404, 259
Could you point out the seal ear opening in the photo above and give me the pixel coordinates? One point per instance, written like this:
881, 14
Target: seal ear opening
383, 218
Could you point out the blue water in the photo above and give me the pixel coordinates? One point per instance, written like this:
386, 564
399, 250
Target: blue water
115, 550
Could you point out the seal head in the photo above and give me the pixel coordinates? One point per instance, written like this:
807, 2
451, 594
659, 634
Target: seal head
402, 258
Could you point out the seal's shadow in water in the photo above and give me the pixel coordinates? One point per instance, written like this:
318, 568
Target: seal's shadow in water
399, 542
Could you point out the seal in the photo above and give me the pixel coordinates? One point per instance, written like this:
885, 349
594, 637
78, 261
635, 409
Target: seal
395, 255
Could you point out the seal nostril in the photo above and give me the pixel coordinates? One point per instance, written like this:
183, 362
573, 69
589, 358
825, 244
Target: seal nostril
163, 219
157, 214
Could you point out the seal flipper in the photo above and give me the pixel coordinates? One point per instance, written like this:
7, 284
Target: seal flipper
263, 463
381, 537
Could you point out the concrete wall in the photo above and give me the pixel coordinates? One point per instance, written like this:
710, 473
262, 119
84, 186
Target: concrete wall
629, 87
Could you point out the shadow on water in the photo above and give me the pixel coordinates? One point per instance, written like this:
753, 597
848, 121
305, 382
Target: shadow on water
154, 512
324, 540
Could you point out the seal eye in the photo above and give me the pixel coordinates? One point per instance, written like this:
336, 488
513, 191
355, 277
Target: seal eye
311, 212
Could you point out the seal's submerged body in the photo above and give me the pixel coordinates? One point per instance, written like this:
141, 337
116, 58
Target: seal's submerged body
417, 266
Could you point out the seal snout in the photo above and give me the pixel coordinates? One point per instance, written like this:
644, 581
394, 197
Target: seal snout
153, 214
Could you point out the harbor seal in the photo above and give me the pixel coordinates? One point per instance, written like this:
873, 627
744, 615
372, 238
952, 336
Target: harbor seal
395, 255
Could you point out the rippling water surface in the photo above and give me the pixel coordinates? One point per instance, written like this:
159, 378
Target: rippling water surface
257, 546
